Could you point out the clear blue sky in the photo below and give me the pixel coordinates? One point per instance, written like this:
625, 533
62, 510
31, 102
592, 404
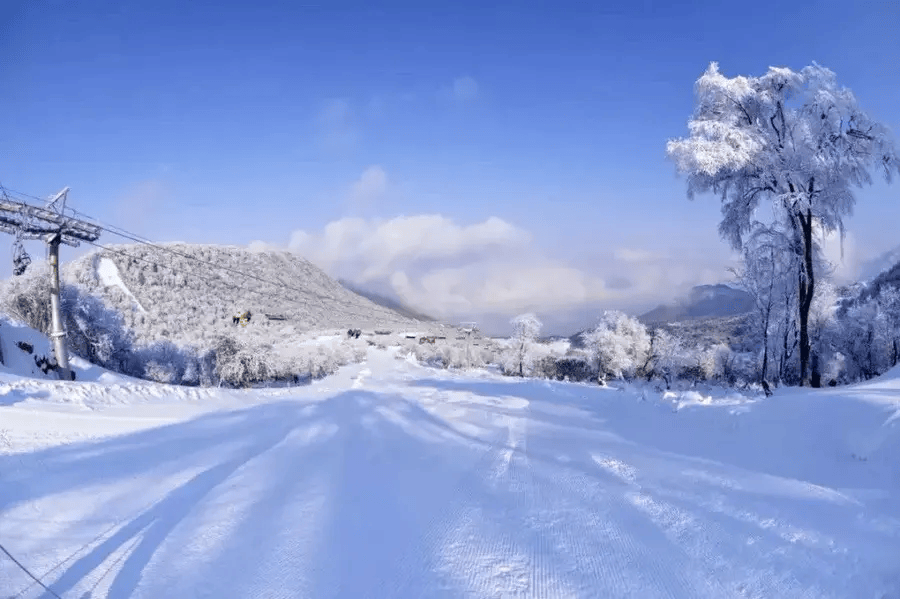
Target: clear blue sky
232, 122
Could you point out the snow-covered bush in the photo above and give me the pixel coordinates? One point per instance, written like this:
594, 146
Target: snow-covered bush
619, 345
27, 297
164, 362
240, 364
95, 331
98, 334
564, 368
200, 369
452, 355
669, 357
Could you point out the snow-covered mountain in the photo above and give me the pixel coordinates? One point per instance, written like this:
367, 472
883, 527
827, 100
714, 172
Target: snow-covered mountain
703, 301
192, 293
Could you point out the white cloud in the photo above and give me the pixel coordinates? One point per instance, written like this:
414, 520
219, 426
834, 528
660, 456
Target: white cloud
454, 270
465, 89
450, 270
446, 268
364, 249
500, 286
633, 256
371, 185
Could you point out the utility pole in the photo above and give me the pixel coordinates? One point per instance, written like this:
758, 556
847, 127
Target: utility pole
51, 225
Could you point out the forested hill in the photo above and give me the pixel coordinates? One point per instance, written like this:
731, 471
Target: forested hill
704, 301
190, 293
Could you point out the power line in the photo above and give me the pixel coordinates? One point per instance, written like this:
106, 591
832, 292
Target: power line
28, 572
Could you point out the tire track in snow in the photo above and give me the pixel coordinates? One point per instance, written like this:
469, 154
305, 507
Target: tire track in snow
722, 537
591, 530
713, 550
495, 564
788, 552
415, 558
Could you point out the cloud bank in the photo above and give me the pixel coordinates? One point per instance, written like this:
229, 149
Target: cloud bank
460, 270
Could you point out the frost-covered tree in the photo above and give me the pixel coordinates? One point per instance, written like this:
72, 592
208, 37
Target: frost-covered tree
769, 274
888, 301
762, 277
526, 328
620, 345
668, 356
795, 139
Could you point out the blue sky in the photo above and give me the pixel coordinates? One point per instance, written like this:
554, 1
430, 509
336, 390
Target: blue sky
282, 122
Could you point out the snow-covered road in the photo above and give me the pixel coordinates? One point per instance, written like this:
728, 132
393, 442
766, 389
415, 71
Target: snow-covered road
392, 480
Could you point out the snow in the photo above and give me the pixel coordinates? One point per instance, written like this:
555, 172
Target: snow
390, 479
109, 276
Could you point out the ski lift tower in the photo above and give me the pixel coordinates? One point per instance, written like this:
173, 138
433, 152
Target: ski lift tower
51, 225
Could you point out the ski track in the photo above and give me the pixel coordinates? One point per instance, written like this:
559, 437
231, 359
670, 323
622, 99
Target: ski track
521, 507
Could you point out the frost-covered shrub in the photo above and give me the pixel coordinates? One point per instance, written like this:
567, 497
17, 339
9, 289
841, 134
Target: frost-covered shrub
670, 359
98, 333
450, 354
200, 369
27, 297
564, 368
619, 345
164, 362
238, 364
160, 372
95, 331
318, 361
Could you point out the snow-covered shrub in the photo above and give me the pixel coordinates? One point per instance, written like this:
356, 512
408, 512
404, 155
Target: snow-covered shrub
669, 358
238, 364
567, 368
97, 332
199, 369
619, 345
862, 338
27, 297
164, 362
318, 361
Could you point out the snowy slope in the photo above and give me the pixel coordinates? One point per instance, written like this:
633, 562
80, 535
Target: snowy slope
393, 480
189, 293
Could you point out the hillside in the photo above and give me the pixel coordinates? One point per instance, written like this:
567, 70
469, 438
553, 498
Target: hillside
704, 301
189, 293
170, 313
387, 302
879, 264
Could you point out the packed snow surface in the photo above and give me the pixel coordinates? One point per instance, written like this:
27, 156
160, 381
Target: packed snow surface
109, 276
390, 479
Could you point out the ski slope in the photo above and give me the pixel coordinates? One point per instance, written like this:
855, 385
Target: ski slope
390, 479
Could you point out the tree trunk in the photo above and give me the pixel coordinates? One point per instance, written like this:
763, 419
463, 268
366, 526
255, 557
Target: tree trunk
807, 287
767, 316
522, 360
